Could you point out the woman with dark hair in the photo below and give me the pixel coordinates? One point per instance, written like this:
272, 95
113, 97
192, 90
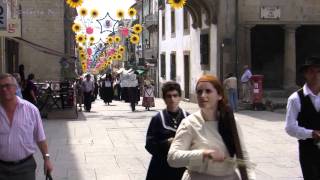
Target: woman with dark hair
107, 89
207, 142
160, 133
30, 91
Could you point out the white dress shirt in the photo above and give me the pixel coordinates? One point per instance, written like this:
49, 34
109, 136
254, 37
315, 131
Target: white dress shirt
293, 109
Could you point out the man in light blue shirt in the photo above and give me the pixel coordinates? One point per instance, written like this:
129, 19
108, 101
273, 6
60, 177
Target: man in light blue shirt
246, 84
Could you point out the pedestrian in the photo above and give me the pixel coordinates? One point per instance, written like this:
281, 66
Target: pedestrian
132, 97
230, 85
107, 88
302, 119
160, 134
117, 89
96, 89
22, 76
30, 91
246, 84
208, 141
148, 95
18, 79
87, 88
79, 93
21, 130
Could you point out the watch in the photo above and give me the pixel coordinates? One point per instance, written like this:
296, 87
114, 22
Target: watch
46, 156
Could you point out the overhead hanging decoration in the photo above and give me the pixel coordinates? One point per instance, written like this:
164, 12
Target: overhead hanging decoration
177, 4
74, 3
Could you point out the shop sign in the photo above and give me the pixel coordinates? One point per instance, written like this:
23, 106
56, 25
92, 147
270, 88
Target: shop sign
270, 12
13, 28
3, 15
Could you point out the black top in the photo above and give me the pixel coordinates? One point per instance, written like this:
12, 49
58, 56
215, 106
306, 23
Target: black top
162, 127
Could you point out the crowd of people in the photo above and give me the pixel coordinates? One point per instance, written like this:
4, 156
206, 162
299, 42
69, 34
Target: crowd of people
205, 145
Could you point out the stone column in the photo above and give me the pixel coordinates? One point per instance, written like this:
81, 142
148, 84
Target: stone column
244, 46
289, 66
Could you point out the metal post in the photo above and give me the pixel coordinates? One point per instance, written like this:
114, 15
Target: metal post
142, 22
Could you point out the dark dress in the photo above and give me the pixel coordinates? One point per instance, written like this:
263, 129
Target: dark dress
107, 92
161, 128
30, 86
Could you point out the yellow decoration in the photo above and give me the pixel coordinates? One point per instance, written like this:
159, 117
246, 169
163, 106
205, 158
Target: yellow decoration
137, 28
94, 13
76, 27
80, 38
114, 57
110, 58
119, 56
83, 12
91, 38
134, 39
132, 12
74, 3
117, 39
109, 40
122, 49
120, 14
80, 48
177, 4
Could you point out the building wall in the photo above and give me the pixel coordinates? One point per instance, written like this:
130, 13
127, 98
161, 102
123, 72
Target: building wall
181, 44
305, 11
42, 23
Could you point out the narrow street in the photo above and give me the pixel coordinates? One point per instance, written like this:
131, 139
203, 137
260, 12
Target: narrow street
108, 143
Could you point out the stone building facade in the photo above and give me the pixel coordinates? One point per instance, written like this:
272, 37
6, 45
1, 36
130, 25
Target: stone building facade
46, 32
276, 36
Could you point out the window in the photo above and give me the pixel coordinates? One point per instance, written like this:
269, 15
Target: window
173, 67
163, 65
173, 22
163, 25
204, 49
186, 21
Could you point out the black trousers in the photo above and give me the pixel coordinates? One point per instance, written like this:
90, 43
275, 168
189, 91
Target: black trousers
87, 100
309, 156
23, 171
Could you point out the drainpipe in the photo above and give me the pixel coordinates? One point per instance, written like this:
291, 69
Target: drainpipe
236, 38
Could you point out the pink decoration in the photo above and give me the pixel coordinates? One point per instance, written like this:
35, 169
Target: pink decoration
89, 30
89, 51
124, 32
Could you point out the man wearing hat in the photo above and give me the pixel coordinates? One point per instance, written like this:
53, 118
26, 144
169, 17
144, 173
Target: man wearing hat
303, 119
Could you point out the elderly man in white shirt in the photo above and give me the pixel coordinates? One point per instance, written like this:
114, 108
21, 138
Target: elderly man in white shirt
302, 119
21, 130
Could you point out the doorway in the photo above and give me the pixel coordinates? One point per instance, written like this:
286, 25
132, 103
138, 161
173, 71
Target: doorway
267, 45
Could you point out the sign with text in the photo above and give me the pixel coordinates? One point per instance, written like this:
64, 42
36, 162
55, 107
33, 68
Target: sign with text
13, 28
3, 15
270, 12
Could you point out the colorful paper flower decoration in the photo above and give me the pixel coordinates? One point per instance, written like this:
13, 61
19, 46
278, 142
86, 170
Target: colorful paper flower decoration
132, 12
122, 49
80, 38
109, 40
91, 39
119, 56
134, 39
89, 30
120, 14
83, 12
76, 27
177, 4
94, 13
74, 3
137, 28
80, 48
117, 39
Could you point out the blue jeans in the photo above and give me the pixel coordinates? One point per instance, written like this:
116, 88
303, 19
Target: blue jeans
233, 99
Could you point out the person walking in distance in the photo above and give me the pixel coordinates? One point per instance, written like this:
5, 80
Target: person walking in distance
246, 84
302, 119
160, 134
21, 130
88, 87
231, 87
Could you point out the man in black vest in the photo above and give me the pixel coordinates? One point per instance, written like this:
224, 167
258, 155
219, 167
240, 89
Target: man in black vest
303, 119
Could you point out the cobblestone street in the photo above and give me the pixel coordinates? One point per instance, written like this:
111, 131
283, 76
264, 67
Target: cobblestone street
108, 143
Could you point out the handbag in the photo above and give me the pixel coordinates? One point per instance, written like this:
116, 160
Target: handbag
48, 176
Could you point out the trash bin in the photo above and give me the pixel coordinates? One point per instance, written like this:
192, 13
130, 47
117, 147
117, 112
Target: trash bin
257, 90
